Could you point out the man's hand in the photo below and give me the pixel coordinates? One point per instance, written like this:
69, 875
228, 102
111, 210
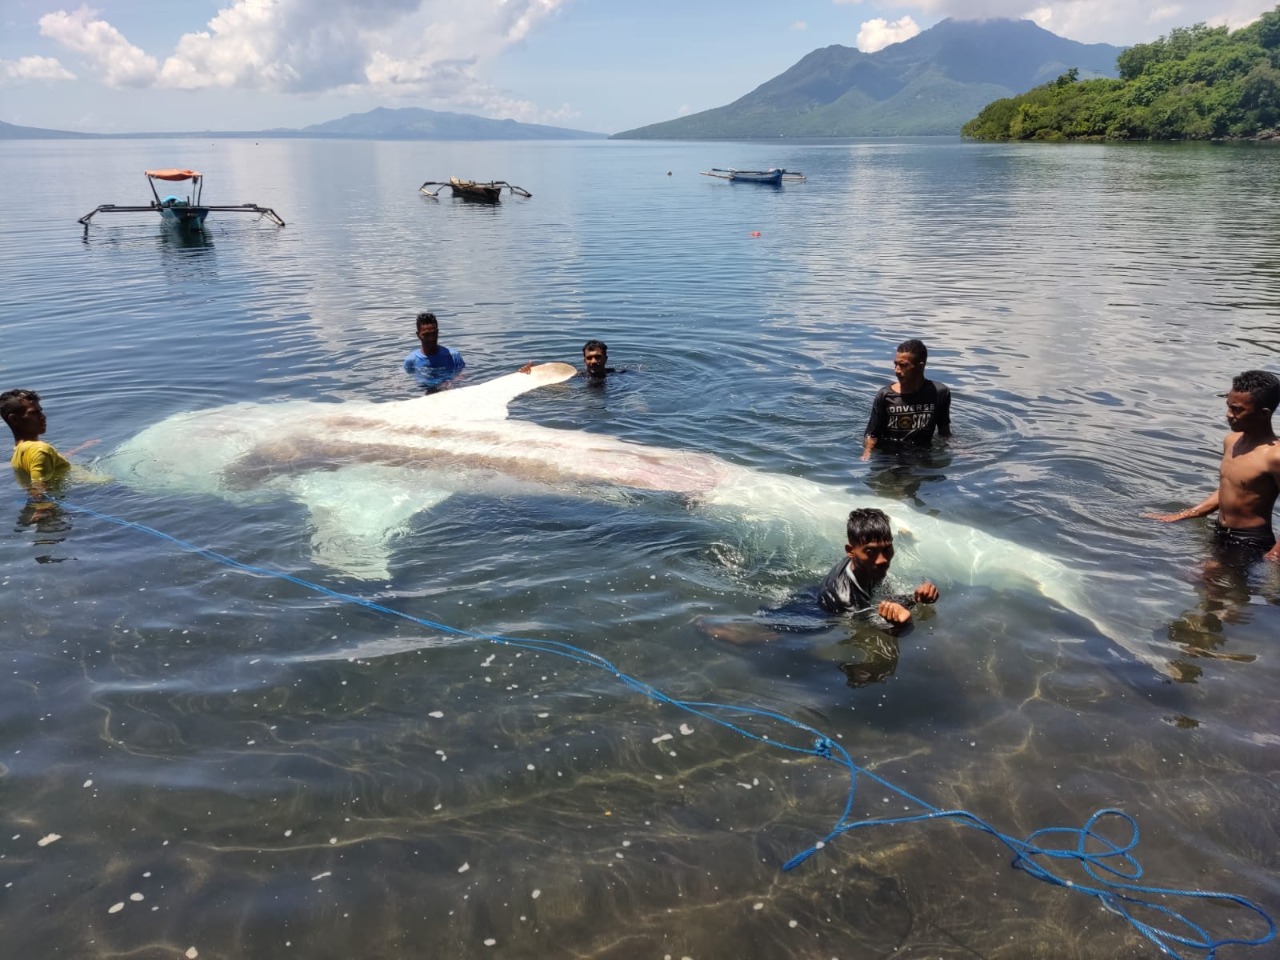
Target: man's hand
527, 368
894, 612
926, 593
1273, 554
1168, 517
84, 446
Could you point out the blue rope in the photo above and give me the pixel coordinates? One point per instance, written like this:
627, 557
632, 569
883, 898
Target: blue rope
1110, 865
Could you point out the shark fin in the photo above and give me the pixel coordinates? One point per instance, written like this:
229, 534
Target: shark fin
357, 511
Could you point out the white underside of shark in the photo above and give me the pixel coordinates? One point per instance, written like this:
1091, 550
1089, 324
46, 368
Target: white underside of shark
364, 469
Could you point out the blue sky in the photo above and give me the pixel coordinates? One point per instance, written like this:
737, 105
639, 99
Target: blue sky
603, 65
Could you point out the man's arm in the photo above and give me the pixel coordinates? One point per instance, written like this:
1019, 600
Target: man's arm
943, 414
874, 423
1201, 509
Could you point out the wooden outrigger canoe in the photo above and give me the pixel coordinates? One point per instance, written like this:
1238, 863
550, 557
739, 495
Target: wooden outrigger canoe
773, 176
187, 214
474, 191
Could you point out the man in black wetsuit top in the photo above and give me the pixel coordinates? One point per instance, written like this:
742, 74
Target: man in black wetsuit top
910, 410
595, 357
851, 583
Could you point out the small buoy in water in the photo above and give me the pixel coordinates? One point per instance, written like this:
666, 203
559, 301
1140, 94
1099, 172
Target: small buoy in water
755, 233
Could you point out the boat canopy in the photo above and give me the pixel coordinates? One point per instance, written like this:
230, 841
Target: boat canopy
172, 174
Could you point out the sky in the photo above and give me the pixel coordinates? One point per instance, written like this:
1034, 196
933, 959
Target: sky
124, 66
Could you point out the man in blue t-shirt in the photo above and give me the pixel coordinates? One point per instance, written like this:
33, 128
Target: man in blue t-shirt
909, 411
432, 365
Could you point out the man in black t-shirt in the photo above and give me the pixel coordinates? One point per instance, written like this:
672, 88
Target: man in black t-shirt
910, 410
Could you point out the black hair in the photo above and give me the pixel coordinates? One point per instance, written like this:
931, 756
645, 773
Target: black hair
595, 345
1261, 386
12, 401
868, 525
425, 317
916, 348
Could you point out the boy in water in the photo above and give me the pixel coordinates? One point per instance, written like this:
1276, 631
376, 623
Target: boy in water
36, 464
1249, 475
910, 410
432, 365
852, 582
848, 589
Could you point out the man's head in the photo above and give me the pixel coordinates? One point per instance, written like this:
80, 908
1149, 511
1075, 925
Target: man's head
595, 355
870, 545
909, 361
1254, 396
428, 330
20, 409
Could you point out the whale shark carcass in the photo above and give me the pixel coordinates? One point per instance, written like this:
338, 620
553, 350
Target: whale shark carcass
364, 469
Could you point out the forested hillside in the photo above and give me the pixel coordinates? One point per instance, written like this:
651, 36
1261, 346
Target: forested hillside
1197, 83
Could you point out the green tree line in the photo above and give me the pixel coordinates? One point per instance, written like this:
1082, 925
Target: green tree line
1197, 83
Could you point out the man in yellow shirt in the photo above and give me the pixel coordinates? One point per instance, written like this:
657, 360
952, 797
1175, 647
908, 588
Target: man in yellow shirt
36, 464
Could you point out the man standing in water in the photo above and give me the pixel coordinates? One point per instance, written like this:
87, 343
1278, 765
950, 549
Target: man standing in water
432, 365
908, 412
1249, 476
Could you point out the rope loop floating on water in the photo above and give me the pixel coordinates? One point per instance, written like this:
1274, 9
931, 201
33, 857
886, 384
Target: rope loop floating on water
1111, 865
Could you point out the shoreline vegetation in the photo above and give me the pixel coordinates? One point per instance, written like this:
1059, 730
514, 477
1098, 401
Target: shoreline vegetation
1197, 83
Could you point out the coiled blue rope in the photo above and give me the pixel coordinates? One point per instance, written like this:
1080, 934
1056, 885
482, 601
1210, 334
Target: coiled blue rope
1110, 865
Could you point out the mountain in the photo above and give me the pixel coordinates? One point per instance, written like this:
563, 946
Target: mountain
407, 123
10, 131
414, 123
930, 84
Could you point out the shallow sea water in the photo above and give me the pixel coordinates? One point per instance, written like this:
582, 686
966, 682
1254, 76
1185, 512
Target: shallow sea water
255, 769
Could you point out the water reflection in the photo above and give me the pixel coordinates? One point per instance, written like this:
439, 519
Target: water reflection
1228, 582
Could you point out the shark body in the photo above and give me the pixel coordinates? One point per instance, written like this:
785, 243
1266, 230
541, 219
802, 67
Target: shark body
364, 469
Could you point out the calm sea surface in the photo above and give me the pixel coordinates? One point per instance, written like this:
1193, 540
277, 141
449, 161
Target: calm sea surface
239, 764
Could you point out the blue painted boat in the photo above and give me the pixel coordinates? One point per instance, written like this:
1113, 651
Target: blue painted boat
186, 214
774, 176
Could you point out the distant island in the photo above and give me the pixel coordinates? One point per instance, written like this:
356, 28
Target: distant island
928, 85
406, 123
1197, 83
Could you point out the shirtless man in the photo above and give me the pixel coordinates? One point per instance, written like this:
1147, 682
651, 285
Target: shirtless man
1249, 477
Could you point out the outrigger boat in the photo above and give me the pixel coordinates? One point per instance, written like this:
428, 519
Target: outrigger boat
474, 191
184, 214
773, 176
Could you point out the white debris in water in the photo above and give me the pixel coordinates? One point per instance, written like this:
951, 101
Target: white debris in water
530, 766
88, 784
489, 659
745, 786
686, 729
438, 806
136, 897
436, 713
536, 894
793, 924
758, 906
618, 854
464, 868
626, 843
116, 907
543, 716
490, 942
333, 840
288, 833
47, 839
321, 876
191, 953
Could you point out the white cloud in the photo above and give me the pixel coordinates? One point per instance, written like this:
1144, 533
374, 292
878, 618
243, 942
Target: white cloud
102, 46
879, 33
1093, 21
799, 25
33, 68
433, 50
